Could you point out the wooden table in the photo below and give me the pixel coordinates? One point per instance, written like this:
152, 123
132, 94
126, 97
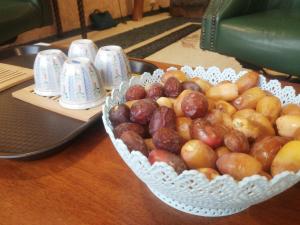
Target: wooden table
89, 184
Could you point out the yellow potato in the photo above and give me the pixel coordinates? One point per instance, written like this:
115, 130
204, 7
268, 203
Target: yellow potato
238, 165
196, 154
256, 119
246, 127
130, 103
249, 99
163, 101
211, 104
225, 107
287, 159
149, 144
287, 125
222, 151
178, 101
174, 73
247, 81
205, 85
297, 134
290, 109
183, 125
269, 106
209, 173
225, 91
218, 117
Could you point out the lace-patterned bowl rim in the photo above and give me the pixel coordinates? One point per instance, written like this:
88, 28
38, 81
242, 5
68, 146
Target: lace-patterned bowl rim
213, 75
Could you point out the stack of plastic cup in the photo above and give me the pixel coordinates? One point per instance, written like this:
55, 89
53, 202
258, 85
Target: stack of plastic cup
47, 70
80, 85
113, 65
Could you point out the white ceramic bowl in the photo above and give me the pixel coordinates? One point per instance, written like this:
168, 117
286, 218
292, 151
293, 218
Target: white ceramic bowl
83, 48
190, 191
47, 69
113, 65
80, 85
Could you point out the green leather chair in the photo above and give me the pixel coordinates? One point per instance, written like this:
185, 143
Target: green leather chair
18, 16
265, 33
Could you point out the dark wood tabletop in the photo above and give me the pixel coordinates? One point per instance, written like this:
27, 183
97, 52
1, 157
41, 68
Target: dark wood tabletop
89, 184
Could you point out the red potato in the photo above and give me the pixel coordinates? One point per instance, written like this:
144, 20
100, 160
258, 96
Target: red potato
167, 139
171, 159
135, 92
162, 117
194, 105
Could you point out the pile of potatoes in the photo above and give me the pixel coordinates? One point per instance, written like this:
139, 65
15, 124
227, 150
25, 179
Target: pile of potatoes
230, 128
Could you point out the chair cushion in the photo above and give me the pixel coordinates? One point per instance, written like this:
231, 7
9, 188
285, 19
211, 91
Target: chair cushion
270, 39
17, 17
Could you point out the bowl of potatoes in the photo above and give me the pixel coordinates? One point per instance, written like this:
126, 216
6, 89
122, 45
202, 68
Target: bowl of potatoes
204, 141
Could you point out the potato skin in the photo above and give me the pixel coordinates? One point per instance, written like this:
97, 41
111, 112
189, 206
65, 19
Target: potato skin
287, 125
155, 91
183, 126
129, 126
290, 109
210, 173
203, 84
167, 139
247, 81
220, 151
236, 141
266, 149
171, 159
249, 99
190, 85
270, 107
238, 165
135, 92
134, 142
178, 102
287, 159
172, 87
141, 111
209, 134
225, 91
164, 101
179, 75
162, 117
194, 105
196, 154
119, 114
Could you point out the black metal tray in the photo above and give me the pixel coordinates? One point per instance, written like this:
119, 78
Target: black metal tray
30, 132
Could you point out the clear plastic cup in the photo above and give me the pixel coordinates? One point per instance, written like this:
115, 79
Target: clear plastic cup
113, 65
47, 69
80, 85
83, 48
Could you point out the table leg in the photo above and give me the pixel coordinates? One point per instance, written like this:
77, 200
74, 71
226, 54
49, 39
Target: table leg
82, 18
138, 9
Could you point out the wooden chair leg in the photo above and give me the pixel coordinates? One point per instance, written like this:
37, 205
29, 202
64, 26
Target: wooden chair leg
138, 9
57, 19
80, 7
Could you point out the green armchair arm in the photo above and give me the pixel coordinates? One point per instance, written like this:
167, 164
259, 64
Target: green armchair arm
217, 10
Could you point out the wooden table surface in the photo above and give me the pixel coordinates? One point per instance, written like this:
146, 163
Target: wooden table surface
89, 184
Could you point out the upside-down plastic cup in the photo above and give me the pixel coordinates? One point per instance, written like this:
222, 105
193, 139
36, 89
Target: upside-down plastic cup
113, 65
83, 48
47, 69
80, 85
